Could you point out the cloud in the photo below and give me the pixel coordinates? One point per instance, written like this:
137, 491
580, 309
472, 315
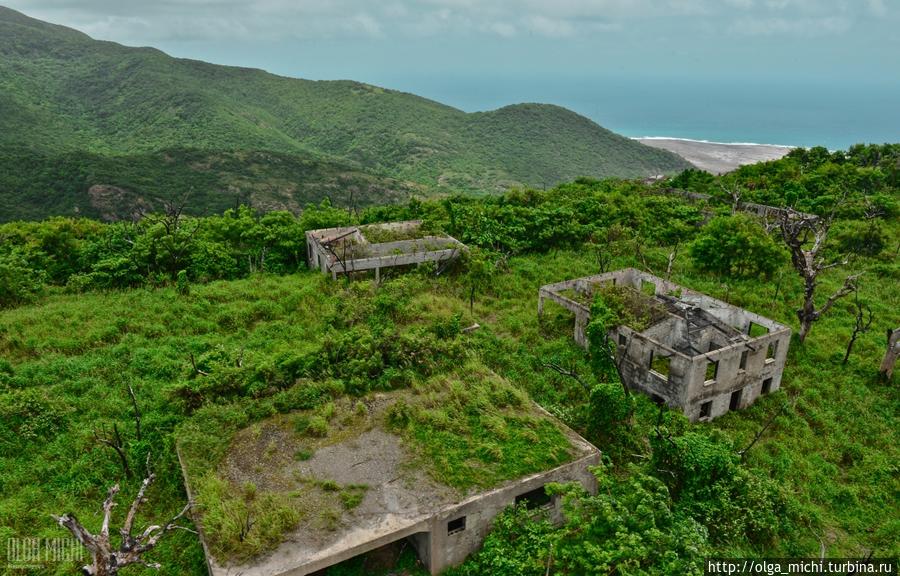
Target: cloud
803, 27
142, 22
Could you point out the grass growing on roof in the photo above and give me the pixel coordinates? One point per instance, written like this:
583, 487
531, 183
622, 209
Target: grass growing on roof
473, 429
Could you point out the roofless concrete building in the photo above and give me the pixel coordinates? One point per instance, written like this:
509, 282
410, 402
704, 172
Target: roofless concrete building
350, 249
691, 351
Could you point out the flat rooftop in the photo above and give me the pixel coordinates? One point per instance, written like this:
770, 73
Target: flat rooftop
363, 471
376, 246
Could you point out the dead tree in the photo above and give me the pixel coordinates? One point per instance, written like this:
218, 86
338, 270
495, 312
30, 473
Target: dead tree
761, 431
734, 192
137, 412
671, 261
178, 238
798, 230
573, 374
106, 560
115, 442
862, 324
890, 356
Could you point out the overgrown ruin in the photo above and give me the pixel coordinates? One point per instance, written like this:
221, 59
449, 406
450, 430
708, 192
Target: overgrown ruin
692, 351
349, 249
364, 484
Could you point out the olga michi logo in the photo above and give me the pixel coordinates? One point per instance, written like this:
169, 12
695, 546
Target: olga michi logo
32, 553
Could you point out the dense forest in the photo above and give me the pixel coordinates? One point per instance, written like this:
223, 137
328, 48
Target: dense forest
96, 312
76, 113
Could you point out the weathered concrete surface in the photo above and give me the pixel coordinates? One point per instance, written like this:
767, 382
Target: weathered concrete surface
699, 333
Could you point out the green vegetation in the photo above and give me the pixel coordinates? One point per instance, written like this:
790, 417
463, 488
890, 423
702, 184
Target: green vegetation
473, 428
77, 113
737, 246
253, 347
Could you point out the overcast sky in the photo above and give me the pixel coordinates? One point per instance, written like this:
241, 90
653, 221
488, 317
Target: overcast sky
478, 54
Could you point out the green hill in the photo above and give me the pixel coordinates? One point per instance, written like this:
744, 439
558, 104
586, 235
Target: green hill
63, 93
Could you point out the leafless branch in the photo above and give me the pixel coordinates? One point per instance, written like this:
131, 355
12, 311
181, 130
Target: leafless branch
105, 559
566, 372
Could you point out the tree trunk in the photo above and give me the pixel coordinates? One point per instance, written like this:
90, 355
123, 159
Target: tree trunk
806, 315
890, 356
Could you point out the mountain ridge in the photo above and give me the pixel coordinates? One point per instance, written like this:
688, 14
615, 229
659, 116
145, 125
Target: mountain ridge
62, 92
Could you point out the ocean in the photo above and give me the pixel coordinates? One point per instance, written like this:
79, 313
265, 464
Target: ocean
835, 115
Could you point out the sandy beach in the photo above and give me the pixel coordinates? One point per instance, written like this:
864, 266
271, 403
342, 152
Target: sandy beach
717, 157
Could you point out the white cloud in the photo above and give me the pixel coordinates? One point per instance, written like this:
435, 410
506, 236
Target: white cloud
143, 22
804, 27
551, 27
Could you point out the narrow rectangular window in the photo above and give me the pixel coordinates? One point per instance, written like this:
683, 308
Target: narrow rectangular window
766, 386
457, 525
712, 369
622, 340
706, 409
735, 402
771, 351
743, 365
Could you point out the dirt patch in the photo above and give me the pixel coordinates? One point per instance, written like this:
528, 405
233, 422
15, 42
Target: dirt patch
352, 473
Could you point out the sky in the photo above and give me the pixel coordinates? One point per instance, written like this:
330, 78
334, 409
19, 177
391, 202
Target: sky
733, 70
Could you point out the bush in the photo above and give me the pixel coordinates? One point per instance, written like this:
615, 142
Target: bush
736, 246
19, 284
858, 237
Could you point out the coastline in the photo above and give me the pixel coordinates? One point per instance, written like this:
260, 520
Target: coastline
717, 157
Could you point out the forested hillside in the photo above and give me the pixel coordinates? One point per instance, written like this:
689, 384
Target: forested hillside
168, 304
62, 93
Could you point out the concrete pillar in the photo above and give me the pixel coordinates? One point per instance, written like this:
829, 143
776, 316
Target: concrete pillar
540, 305
377, 275
580, 325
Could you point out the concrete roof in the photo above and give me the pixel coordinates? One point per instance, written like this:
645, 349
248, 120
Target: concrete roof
399, 499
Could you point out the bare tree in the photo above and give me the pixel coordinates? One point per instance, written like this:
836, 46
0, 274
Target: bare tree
671, 261
734, 192
862, 324
571, 373
798, 230
178, 238
115, 442
759, 433
106, 560
890, 356
137, 412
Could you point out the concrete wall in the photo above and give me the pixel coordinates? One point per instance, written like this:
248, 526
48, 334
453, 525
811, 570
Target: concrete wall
731, 377
452, 549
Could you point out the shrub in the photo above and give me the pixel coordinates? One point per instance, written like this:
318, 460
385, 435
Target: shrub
736, 246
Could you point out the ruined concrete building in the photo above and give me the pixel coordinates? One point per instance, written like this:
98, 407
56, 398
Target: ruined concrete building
689, 350
399, 496
351, 249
